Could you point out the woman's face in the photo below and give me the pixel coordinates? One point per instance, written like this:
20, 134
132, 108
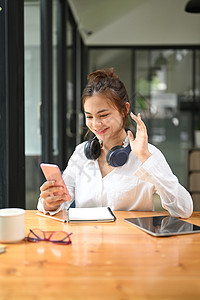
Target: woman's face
102, 118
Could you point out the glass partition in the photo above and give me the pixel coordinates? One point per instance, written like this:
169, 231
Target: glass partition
71, 84
33, 142
55, 76
120, 59
33, 138
163, 85
159, 83
32, 101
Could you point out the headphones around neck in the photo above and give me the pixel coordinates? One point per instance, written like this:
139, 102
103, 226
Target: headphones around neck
116, 156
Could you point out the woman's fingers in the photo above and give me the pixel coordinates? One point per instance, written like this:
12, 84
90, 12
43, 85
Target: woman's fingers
140, 124
52, 194
130, 136
137, 118
51, 190
54, 201
46, 185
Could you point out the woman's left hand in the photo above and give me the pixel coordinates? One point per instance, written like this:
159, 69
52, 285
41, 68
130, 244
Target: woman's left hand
139, 144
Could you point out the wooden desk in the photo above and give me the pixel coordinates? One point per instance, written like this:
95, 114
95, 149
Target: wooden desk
104, 261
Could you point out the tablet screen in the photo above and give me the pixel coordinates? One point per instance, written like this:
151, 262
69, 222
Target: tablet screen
163, 225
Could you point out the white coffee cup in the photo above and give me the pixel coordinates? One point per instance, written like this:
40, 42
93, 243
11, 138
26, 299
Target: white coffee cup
12, 225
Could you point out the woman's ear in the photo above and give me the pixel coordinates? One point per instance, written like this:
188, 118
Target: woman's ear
127, 107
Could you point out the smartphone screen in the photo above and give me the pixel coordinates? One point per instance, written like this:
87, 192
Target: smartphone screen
52, 172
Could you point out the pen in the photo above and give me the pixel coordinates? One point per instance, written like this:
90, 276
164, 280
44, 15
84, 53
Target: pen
110, 210
54, 218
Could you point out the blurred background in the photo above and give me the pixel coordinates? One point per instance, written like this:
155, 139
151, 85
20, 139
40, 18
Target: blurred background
154, 46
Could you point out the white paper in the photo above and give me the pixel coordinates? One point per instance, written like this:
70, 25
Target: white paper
90, 214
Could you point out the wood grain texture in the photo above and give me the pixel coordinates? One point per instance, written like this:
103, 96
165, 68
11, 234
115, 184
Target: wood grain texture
104, 261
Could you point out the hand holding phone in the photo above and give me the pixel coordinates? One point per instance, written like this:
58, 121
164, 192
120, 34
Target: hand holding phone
52, 173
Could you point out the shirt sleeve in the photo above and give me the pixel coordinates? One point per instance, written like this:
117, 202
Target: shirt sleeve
40, 207
174, 197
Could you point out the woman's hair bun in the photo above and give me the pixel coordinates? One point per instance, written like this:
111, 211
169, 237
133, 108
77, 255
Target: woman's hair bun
108, 73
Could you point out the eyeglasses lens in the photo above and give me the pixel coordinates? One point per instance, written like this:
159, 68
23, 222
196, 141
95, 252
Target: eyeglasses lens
36, 235
52, 236
59, 236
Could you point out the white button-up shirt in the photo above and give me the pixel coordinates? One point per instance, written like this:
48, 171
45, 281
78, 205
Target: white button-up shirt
129, 187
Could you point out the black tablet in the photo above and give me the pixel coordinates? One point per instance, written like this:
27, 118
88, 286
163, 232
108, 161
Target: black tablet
163, 225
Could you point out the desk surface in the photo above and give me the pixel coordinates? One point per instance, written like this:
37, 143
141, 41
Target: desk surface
104, 261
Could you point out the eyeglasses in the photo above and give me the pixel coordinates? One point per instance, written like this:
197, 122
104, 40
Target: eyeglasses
60, 237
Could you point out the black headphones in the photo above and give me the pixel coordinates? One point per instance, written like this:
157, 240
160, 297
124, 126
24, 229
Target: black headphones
116, 156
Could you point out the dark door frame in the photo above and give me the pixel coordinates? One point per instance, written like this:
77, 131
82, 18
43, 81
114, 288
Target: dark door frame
12, 168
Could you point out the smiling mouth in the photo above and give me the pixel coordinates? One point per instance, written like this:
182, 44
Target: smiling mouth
101, 131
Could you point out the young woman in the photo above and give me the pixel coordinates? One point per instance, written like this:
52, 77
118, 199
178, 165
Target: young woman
92, 178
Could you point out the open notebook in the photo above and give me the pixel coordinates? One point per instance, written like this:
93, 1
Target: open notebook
91, 214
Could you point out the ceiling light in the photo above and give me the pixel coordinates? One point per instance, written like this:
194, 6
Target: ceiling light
193, 6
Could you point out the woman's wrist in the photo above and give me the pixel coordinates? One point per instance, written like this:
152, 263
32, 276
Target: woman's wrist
50, 208
144, 157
